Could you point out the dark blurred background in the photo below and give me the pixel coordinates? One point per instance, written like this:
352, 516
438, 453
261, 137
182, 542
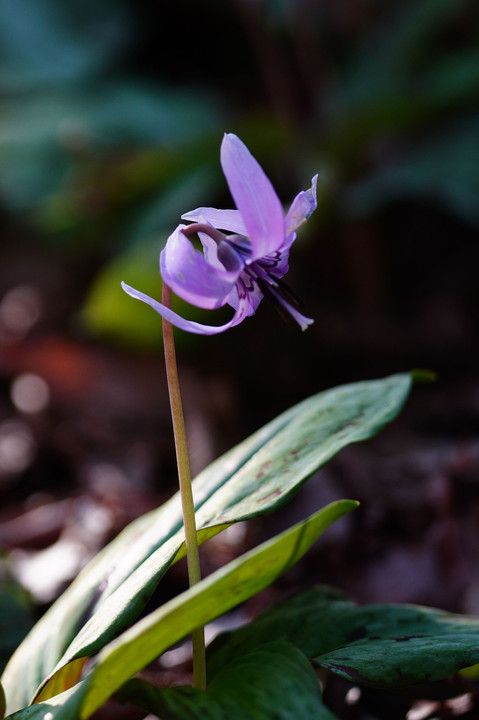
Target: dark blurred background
111, 119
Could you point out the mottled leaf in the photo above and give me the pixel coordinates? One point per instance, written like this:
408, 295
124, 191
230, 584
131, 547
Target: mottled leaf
218, 593
377, 645
254, 478
274, 681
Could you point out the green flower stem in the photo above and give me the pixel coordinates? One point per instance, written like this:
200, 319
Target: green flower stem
184, 476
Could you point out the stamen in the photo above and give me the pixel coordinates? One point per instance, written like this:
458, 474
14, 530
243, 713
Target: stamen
287, 294
279, 297
259, 272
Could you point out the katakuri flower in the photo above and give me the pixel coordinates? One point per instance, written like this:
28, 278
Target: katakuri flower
245, 251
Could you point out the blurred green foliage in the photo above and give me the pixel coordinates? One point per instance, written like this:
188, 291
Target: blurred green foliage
15, 622
112, 115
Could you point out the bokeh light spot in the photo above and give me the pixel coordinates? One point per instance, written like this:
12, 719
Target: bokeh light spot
30, 393
17, 447
20, 309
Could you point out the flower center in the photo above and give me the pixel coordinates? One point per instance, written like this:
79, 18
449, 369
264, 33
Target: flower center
233, 251
241, 245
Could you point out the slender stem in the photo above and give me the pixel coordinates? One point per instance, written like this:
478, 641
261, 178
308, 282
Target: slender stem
184, 476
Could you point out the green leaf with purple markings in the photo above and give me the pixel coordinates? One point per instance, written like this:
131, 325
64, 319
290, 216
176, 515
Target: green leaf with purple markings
274, 681
254, 478
375, 645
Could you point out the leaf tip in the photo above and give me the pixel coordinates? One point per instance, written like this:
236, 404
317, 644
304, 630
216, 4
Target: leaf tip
422, 375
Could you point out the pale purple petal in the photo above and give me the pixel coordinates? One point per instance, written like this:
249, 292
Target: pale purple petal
254, 197
229, 220
210, 249
301, 208
187, 325
190, 276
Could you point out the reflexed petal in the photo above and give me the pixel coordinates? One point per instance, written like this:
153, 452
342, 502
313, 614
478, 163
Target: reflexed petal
190, 276
254, 196
229, 220
301, 208
188, 325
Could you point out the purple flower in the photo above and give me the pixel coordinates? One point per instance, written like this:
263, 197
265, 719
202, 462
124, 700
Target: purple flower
247, 261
